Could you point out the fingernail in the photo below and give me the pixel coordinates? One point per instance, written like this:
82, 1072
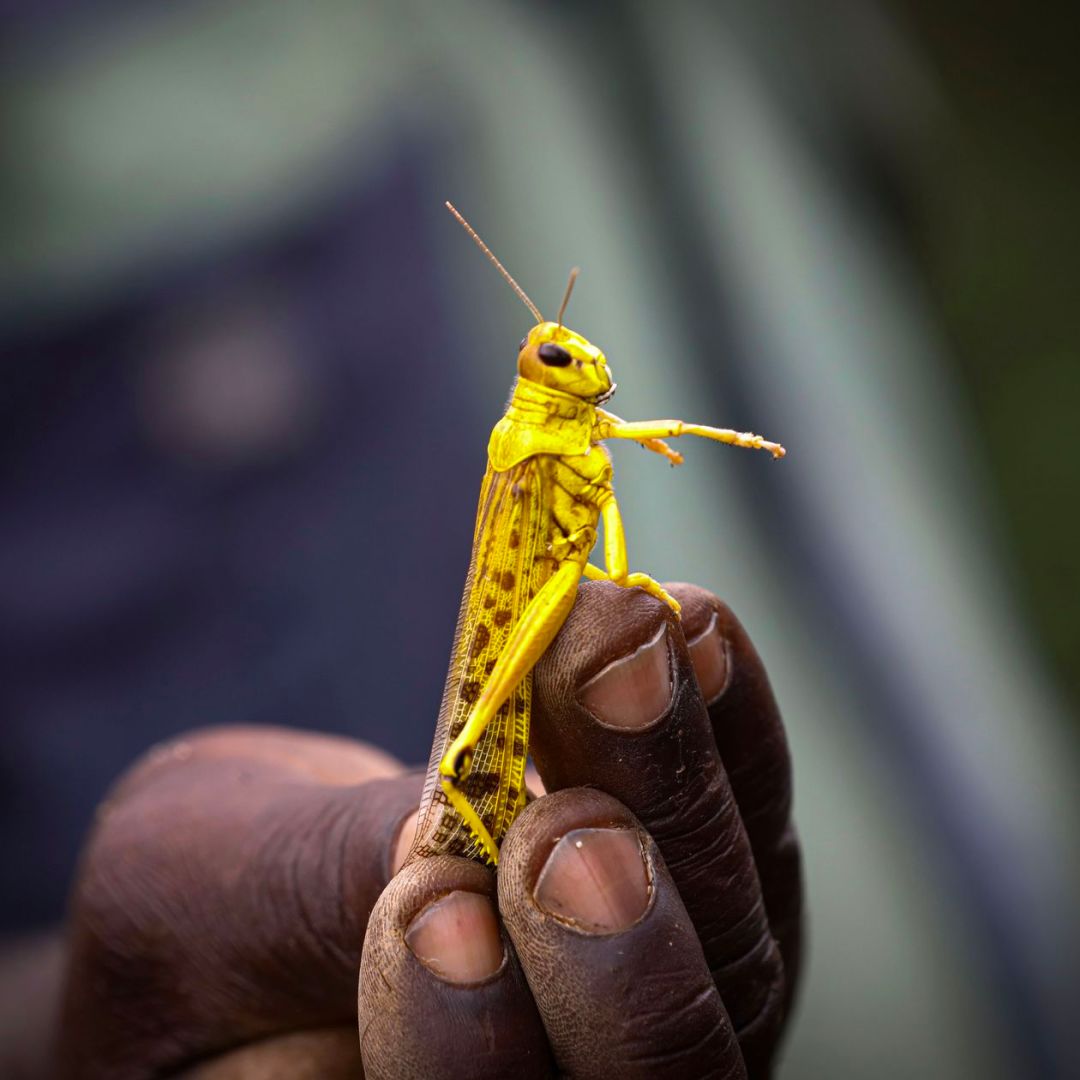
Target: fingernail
596, 879
634, 690
709, 655
457, 937
403, 843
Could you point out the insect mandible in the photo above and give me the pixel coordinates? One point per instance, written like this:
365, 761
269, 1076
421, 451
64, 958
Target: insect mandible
546, 487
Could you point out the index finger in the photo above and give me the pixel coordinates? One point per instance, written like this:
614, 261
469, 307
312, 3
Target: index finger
617, 706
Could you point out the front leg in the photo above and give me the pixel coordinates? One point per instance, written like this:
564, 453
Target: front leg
610, 426
616, 562
604, 423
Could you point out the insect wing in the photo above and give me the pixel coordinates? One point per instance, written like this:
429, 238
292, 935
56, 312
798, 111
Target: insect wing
504, 574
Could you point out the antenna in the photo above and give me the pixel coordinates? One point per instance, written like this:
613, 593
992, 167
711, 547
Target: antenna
566, 296
498, 265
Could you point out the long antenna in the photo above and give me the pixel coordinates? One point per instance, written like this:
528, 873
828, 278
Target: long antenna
566, 296
498, 265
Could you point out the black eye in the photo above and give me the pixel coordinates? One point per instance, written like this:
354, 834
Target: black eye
553, 355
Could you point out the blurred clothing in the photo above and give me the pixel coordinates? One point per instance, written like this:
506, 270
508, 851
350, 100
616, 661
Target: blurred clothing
252, 366
232, 494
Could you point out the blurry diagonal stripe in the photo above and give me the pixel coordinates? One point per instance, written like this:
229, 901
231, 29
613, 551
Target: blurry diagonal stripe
884, 506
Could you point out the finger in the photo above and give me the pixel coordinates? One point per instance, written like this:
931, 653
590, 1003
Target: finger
617, 707
223, 902
750, 737
614, 964
441, 991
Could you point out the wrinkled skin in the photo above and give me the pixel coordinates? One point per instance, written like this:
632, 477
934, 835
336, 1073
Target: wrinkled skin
226, 890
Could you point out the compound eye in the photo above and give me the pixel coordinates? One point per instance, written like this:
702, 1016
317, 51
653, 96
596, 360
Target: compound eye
524, 342
554, 355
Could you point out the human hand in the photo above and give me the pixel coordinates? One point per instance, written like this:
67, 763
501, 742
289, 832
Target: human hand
645, 920
220, 906
222, 900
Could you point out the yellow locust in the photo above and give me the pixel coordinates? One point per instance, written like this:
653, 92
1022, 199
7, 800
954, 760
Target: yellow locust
547, 485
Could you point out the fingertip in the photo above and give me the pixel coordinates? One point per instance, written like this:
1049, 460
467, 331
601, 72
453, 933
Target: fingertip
699, 605
416, 892
711, 658
634, 690
706, 624
596, 880
612, 659
457, 937
559, 858
603, 935
437, 974
612, 688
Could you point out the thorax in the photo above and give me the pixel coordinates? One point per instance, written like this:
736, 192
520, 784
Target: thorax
575, 487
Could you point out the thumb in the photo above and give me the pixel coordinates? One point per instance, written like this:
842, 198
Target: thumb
223, 899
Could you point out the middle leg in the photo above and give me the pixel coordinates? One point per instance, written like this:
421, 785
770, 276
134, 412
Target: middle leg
616, 561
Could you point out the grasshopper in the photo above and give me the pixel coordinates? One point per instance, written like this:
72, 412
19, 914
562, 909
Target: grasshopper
546, 488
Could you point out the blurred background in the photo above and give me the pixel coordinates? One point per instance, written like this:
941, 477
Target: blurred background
250, 363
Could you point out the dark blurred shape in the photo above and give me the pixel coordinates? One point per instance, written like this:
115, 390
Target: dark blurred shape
202, 485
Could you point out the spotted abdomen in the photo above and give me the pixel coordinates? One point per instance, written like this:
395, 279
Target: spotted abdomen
509, 565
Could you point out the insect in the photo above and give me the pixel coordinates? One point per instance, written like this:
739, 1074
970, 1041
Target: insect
546, 487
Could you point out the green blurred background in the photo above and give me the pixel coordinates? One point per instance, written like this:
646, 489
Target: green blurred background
997, 228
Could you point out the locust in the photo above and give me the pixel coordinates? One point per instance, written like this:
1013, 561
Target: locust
547, 486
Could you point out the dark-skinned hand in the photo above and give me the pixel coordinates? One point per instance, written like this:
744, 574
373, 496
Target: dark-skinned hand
644, 921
